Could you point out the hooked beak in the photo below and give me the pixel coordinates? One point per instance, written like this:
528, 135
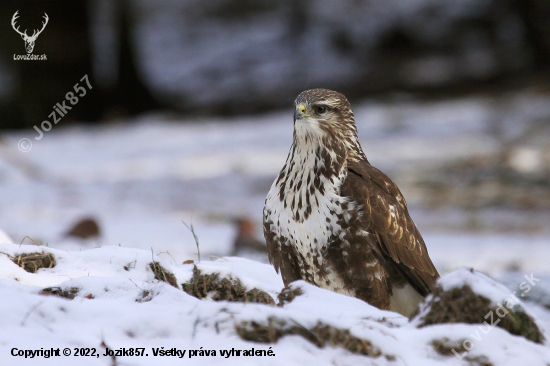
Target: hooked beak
298, 115
299, 112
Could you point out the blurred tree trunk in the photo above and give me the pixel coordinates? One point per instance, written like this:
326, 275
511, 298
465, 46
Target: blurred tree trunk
536, 18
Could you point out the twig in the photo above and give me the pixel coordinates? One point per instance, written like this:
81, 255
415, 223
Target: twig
215, 256
9, 256
113, 357
192, 229
136, 285
30, 312
29, 239
167, 252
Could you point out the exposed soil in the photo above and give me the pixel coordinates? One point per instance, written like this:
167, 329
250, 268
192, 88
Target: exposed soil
218, 289
68, 293
32, 262
162, 274
288, 294
462, 305
321, 335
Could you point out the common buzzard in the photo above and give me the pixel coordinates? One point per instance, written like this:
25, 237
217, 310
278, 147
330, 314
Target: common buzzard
335, 221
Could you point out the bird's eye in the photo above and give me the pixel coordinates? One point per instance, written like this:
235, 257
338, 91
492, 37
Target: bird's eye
320, 109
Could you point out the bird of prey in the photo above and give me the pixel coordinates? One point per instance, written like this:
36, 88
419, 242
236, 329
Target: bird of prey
335, 221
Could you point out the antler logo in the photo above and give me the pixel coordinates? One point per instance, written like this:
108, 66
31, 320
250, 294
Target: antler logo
29, 40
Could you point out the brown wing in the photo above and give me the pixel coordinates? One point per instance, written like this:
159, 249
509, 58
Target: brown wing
386, 216
281, 255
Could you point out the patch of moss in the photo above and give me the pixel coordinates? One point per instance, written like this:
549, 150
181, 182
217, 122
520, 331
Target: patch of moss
32, 262
145, 296
162, 274
229, 289
445, 348
67, 293
322, 335
288, 294
462, 305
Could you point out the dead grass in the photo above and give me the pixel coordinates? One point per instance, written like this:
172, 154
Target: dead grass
462, 305
218, 289
288, 294
322, 335
67, 293
162, 274
445, 348
32, 262
145, 296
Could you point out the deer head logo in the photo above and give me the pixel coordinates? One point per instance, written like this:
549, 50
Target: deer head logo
29, 40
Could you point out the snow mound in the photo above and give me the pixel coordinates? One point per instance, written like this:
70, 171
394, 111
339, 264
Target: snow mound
468, 296
4, 238
110, 298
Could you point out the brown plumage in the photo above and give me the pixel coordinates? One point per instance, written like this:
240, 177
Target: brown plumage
336, 221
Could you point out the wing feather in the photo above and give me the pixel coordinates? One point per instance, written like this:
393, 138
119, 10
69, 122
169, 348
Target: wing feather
386, 214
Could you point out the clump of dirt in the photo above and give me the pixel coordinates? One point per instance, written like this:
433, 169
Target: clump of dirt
462, 305
84, 229
32, 262
145, 296
322, 335
288, 294
229, 289
68, 293
162, 274
445, 348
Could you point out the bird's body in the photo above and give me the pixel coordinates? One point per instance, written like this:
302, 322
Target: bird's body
334, 220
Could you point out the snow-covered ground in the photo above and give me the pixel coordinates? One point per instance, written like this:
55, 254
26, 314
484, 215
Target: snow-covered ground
119, 305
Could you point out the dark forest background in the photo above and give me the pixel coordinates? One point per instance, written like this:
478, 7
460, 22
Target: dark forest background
242, 56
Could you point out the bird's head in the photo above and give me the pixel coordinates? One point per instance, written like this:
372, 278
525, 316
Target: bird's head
325, 116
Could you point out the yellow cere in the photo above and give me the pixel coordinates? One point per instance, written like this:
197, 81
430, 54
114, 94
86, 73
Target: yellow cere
302, 109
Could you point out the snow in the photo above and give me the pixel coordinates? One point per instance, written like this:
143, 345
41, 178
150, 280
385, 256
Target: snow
4, 238
497, 293
478, 282
110, 308
488, 252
